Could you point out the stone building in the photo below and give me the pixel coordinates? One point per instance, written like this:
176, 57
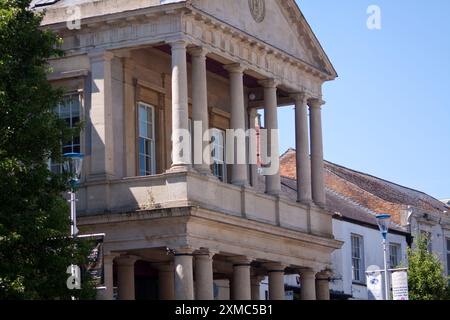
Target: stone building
139, 72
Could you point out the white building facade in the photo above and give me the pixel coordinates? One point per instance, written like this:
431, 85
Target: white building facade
362, 248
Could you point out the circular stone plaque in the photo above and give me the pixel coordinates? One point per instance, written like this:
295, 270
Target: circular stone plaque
258, 9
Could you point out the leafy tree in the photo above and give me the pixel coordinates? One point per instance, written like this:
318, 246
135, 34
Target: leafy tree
425, 273
35, 250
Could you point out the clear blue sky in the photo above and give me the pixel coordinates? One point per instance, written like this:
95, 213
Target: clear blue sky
388, 113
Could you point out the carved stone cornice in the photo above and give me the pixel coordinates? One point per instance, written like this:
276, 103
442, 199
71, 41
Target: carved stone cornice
133, 29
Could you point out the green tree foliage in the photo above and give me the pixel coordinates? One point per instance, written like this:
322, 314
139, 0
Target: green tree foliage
425, 273
35, 250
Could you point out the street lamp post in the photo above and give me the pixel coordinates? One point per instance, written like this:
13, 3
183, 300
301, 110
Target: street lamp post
72, 166
383, 221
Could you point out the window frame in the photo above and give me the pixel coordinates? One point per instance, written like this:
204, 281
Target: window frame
216, 162
360, 259
398, 249
151, 140
57, 167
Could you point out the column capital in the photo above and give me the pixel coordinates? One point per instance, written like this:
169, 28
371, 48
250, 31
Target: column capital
324, 275
241, 261
316, 102
198, 51
234, 68
126, 260
177, 44
269, 83
103, 55
109, 257
186, 251
275, 267
300, 97
307, 273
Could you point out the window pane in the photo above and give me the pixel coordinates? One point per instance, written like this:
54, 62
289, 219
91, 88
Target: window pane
141, 146
143, 122
64, 110
146, 144
148, 165
142, 165
75, 102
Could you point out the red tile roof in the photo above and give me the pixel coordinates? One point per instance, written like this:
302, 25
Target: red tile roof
360, 196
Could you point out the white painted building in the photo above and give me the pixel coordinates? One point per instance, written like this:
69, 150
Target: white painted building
356, 227
362, 248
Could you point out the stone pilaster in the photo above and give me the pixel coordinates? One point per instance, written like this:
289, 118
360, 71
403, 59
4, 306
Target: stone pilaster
101, 117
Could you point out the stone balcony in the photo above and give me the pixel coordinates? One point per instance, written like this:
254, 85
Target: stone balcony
189, 189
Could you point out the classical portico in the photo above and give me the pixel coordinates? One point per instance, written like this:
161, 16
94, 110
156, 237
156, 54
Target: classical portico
149, 73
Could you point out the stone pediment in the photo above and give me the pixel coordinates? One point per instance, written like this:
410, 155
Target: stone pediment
276, 22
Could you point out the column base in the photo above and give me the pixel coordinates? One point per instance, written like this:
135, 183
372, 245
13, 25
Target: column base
180, 168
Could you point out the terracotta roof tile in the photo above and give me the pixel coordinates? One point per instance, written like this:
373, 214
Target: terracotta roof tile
372, 194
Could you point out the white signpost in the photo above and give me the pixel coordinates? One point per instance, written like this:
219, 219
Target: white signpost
374, 282
400, 285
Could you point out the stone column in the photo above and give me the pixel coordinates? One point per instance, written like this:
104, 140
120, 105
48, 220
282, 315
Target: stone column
253, 147
125, 277
204, 283
101, 117
323, 286
256, 284
276, 281
108, 274
239, 170
317, 166
304, 193
308, 285
181, 152
200, 111
166, 282
273, 182
184, 277
241, 286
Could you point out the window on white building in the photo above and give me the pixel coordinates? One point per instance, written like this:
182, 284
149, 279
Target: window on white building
357, 244
218, 154
147, 164
68, 110
394, 254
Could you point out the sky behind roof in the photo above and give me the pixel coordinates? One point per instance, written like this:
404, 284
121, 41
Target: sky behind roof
388, 113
